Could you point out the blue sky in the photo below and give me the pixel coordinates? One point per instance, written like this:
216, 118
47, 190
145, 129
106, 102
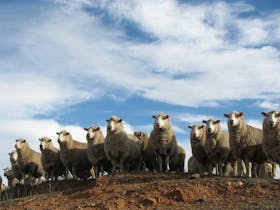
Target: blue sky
69, 64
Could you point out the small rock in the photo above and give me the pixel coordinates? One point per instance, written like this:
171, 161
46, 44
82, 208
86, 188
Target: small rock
148, 202
200, 200
195, 176
239, 183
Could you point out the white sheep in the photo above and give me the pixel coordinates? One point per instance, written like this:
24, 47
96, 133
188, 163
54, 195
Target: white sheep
95, 151
217, 144
50, 159
271, 135
245, 142
163, 141
73, 155
121, 148
29, 161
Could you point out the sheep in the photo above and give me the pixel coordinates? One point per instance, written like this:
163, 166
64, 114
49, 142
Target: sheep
194, 166
0, 188
73, 155
146, 150
271, 135
177, 162
15, 166
217, 144
4, 192
198, 143
163, 141
50, 159
95, 151
29, 161
121, 148
12, 180
245, 142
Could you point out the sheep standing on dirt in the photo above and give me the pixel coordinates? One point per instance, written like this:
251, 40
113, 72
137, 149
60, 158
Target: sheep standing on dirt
29, 161
96, 153
50, 159
15, 167
177, 162
73, 155
245, 142
194, 166
163, 141
198, 143
146, 150
271, 135
217, 144
121, 148
12, 180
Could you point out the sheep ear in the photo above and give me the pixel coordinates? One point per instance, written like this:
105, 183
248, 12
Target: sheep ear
66, 133
264, 114
155, 117
98, 128
120, 120
17, 140
86, 129
204, 121
107, 120
189, 126
277, 114
23, 140
49, 140
166, 117
9, 153
240, 114
217, 121
200, 127
57, 133
226, 115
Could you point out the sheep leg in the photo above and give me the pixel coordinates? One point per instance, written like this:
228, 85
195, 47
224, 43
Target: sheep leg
74, 172
121, 165
248, 168
160, 163
240, 168
92, 172
167, 163
274, 167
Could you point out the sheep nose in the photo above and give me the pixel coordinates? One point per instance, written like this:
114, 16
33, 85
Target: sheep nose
209, 130
271, 123
41, 147
109, 127
231, 122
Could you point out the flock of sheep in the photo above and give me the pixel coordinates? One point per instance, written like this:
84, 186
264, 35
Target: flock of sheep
242, 151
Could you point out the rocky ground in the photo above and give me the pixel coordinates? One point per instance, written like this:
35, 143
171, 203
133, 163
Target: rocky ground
153, 191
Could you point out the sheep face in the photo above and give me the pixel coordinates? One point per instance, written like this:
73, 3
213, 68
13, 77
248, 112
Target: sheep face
8, 172
162, 122
46, 143
21, 144
13, 156
64, 137
114, 124
212, 126
272, 118
91, 133
197, 131
234, 118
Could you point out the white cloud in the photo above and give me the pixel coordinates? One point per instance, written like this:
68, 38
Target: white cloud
66, 55
268, 105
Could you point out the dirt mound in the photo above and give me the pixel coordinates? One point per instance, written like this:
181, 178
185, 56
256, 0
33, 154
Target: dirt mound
153, 191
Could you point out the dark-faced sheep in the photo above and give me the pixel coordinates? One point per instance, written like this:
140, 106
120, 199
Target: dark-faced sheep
163, 141
50, 159
15, 166
121, 148
148, 155
271, 135
29, 161
177, 162
217, 144
73, 155
198, 143
96, 153
245, 142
